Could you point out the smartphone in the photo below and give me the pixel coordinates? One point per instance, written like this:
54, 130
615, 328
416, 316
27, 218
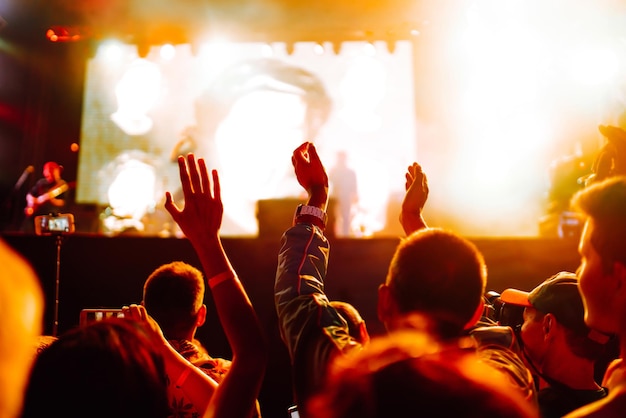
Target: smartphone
62, 223
88, 316
293, 412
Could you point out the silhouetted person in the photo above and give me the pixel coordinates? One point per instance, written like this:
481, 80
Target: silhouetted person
344, 191
48, 195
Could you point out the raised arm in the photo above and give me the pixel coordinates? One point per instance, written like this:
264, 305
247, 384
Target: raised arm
310, 327
200, 220
415, 198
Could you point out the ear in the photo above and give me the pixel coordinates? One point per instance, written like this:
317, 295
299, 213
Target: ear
549, 326
480, 310
386, 304
201, 316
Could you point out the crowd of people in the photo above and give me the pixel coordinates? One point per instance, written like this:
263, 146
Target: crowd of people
444, 353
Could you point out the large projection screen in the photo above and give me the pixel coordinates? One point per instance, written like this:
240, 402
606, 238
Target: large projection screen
244, 107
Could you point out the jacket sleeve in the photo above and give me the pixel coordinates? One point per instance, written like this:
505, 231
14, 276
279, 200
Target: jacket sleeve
312, 330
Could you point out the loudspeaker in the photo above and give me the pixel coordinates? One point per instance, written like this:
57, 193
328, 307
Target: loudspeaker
275, 216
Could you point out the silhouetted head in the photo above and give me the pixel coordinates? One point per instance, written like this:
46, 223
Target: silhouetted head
174, 296
437, 273
109, 368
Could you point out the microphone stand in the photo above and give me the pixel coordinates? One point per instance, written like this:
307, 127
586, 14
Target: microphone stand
55, 327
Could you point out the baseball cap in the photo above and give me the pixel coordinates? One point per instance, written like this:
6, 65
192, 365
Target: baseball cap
559, 296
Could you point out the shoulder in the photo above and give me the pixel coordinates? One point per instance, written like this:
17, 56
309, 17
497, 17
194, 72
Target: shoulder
612, 406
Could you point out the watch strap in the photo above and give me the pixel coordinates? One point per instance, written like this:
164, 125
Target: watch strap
305, 212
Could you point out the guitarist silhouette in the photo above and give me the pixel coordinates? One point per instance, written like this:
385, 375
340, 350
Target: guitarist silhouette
48, 194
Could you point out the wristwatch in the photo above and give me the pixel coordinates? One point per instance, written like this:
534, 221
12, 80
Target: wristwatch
305, 211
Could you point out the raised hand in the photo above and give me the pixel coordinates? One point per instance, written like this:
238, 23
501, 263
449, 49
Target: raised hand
416, 187
311, 174
138, 313
201, 216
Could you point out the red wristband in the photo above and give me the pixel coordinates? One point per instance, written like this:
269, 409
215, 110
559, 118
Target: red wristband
221, 278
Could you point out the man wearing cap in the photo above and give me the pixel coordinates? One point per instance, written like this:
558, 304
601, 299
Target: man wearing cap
558, 347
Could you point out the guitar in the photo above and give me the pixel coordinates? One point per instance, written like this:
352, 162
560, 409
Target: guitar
33, 203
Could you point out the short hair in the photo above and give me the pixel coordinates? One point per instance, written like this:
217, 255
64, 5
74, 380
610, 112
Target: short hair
605, 204
109, 368
409, 373
172, 295
438, 273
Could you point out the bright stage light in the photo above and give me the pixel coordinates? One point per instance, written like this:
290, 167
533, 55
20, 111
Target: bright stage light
318, 49
593, 67
167, 52
111, 51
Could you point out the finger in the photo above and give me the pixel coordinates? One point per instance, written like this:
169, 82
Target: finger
142, 312
409, 181
217, 190
314, 157
411, 170
129, 313
135, 311
193, 173
204, 175
171, 207
298, 152
184, 176
302, 147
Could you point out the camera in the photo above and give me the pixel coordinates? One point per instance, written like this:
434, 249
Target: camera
502, 313
62, 223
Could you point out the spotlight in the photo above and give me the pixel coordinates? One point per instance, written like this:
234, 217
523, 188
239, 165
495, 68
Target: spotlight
167, 52
64, 34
